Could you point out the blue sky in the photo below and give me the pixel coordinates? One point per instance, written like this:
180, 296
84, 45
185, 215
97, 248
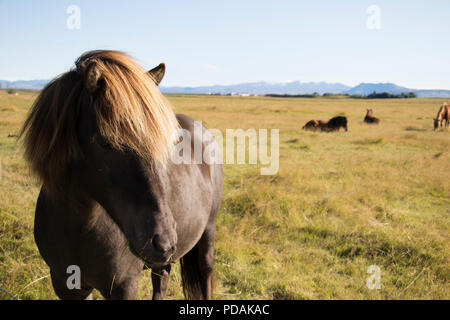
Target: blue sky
225, 42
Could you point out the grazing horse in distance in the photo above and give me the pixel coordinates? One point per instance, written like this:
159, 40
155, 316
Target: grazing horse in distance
312, 125
442, 116
100, 137
334, 124
370, 119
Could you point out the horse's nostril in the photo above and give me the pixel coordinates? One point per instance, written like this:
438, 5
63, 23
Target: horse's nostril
162, 244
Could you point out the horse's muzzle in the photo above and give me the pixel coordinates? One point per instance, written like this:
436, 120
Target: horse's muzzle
158, 250
163, 246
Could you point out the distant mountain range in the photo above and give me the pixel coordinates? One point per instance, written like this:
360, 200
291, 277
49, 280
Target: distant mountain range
368, 88
297, 87
261, 88
24, 84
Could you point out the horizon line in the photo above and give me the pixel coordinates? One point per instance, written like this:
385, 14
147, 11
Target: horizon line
260, 81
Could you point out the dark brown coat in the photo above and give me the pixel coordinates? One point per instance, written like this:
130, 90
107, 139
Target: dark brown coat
370, 119
334, 124
107, 205
312, 125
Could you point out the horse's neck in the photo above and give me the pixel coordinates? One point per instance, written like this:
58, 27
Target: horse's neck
440, 112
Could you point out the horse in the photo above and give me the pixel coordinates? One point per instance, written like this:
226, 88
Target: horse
370, 119
334, 124
99, 137
312, 125
442, 116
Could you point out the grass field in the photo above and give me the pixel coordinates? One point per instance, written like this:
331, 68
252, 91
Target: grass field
341, 202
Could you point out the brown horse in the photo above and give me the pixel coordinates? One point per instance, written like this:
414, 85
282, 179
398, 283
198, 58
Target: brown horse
370, 119
100, 138
312, 125
442, 116
334, 124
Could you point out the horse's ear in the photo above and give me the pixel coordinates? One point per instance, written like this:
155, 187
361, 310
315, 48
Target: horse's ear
157, 73
92, 77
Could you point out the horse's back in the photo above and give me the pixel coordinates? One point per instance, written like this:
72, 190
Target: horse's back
212, 171
371, 120
211, 168
195, 194
337, 122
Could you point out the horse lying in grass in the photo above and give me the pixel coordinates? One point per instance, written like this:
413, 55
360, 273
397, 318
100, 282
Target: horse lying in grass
442, 116
334, 124
311, 125
370, 119
100, 138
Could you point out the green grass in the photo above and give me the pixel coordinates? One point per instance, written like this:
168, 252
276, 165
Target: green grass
376, 195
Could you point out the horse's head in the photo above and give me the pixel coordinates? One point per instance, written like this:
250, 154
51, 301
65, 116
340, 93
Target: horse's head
120, 173
436, 123
112, 138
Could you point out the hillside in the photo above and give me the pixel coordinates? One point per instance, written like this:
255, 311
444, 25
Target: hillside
263, 88
368, 88
24, 84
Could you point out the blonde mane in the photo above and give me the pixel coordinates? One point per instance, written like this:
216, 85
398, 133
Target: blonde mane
131, 114
441, 110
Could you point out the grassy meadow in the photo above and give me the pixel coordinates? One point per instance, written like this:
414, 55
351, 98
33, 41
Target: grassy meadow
340, 202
